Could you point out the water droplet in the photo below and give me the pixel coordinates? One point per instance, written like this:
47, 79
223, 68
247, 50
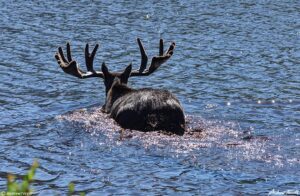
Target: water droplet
259, 101
210, 106
228, 103
290, 100
273, 101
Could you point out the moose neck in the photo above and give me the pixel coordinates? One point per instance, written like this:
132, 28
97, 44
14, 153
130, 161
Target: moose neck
116, 91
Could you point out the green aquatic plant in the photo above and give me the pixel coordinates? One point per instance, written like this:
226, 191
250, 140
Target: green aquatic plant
72, 190
23, 188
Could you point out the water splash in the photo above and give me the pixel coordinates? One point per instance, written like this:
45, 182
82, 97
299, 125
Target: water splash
203, 138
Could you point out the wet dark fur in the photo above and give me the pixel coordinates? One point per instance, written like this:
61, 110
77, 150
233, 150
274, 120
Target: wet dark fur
143, 109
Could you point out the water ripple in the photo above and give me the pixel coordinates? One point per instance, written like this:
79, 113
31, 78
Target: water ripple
235, 67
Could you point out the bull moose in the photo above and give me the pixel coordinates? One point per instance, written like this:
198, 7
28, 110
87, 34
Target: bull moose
143, 109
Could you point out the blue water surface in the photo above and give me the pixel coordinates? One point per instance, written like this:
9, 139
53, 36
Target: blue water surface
235, 70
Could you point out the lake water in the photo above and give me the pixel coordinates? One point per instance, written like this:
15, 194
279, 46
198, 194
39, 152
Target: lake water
235, 70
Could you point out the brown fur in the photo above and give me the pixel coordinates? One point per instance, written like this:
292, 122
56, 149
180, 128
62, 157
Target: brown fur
142, 109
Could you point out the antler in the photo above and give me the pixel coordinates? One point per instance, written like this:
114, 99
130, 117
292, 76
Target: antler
156, 60
71, 67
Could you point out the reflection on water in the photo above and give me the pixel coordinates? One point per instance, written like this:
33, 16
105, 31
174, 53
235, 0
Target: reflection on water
236, 70
201, 133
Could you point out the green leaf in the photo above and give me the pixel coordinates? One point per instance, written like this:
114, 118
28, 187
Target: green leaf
71, 188
24, 186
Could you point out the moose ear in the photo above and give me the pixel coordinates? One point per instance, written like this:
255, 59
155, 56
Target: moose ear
126, 74
104, 69
128, 69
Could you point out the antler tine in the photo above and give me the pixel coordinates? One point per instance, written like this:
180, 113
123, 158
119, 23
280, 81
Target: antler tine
144, 57
89, 57
156, 60
71, 67
161, 47
159, 60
